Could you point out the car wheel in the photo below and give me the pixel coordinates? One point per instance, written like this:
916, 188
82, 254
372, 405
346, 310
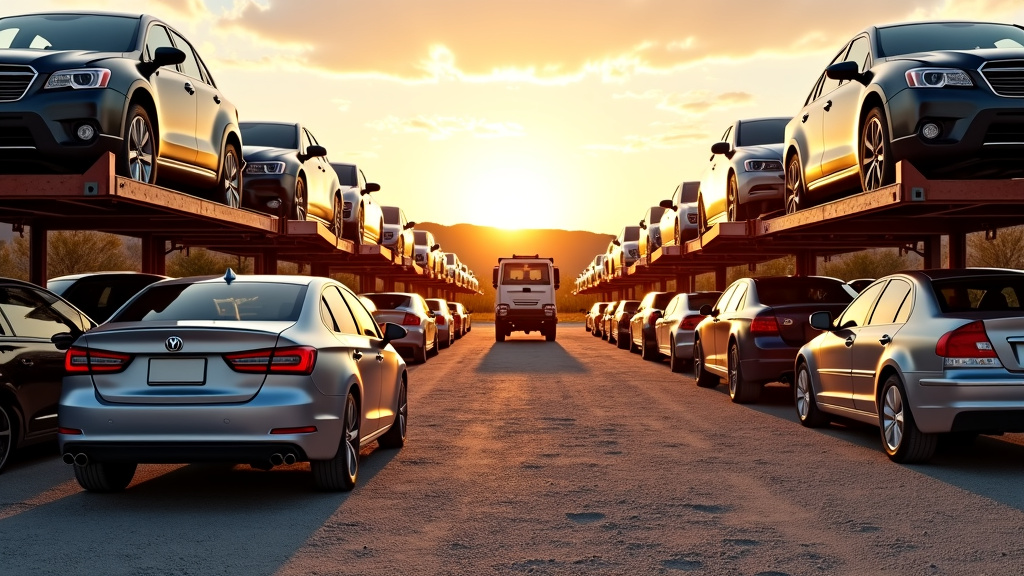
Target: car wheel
139, 148
806, 406
675, 363
877, 168
419, 353
337, 223
395, 436
499, 334
298, 211
8, 437
677, 237
736, 212
702, 217
795, 196
648, 350
901, 438
436, 349
360, 235
341, 472
229, 188
445, 343
401, 248
105, 476
632, 344
550, 334
704, 378
741, 391
622, 342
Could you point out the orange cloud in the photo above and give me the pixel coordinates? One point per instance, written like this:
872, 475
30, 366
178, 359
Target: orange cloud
443, 127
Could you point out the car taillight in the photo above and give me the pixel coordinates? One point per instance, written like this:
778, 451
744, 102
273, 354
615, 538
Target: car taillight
967, 347
439, 320
652, 318
293, 360
690, 322
79, 360
410, 320
766, 325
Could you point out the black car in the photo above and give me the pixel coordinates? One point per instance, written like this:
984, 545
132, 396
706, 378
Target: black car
100, 294
947, 96
74, 86
31, 366
287, 174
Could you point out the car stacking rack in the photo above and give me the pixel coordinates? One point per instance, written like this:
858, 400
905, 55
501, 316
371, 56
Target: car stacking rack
914, 214
166, 220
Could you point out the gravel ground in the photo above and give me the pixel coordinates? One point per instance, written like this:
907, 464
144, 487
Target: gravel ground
528, 457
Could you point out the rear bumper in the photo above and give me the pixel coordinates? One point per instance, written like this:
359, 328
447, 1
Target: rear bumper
975, 401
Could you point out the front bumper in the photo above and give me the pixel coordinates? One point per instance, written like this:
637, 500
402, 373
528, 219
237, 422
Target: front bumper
259, 189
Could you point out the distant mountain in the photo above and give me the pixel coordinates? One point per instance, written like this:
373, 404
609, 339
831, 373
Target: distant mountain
479, 247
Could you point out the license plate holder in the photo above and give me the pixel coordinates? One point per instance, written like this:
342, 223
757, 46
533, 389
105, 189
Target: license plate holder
177, 371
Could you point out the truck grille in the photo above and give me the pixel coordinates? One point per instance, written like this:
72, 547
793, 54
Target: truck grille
14, 81
526, 302
1005, 77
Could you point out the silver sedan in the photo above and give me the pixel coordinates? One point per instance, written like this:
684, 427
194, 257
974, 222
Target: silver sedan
409, 310
923, 355
263, 370
674, 330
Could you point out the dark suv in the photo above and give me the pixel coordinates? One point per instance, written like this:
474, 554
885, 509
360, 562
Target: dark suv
74, 86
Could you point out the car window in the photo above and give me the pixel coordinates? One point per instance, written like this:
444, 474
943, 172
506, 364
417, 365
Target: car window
343, 319
239, 301
362, 179
856, 313
364, 320
829, 84
802, 290
190, 67
206, 72
896, 293
390, 301
739, 299
29, 313
816, 91
860, 52
312, 139
980, 293
671, 308
157, 38
303, 140
723, 300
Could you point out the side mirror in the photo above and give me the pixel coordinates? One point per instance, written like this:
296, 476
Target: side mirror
720, 148
667, 204
643, 225
435, 247
616, 242
843, 71
63, 340
164, 56
371, 187
316, 151
821, 321
392, 332
706, 310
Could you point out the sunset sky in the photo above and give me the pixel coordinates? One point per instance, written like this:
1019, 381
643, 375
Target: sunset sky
569, 114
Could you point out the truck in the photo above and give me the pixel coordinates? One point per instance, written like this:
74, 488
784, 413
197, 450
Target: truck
525, 296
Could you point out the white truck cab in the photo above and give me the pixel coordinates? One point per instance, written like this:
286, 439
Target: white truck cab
525, 299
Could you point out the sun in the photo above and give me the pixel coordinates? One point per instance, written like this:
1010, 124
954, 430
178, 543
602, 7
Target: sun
523, 194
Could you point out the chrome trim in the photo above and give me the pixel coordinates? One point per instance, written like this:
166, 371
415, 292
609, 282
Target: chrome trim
18, 148
1004, 143
27, 86
981, 70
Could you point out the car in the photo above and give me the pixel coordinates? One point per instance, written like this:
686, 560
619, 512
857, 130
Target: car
591, 322
460, 318
744, 177
258, 370
287, 174
425, 251
673, 332
944, 96
753, 332
411, 312
622, 252
100, 294
679, 221
80, 84
398, 231
860, 284
606, 319
621, 316
362, 216
444, 319
31, 365
925, 355
642, 337
650, 231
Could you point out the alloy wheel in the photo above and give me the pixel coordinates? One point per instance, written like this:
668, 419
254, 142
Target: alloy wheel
803, 394
351, 438
299, 201
140, 150
794, 185
6, 435
232, 179
892, 418
873, 153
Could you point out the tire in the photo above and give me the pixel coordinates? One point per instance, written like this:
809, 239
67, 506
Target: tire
649, 351
741, 391
360, 235
139, 152
395, 436
622, 343
806, 406
677, 237
550, 334
298, 208
734, 211
633, 348
105, 476
341, 472
446, 342
702, 217
8, 434
901, 439
380, 233
401, 248
229, 184
337, 221
499, 334
437, 346
675, 363
704, 378
877, 168
419, 354
796, 197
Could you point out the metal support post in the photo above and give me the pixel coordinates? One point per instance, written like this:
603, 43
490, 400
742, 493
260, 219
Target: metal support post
37, 247
957, 250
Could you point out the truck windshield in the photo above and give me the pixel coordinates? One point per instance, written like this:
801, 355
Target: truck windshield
523, 273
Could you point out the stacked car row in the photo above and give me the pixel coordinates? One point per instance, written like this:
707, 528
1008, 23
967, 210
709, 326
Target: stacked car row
928, 356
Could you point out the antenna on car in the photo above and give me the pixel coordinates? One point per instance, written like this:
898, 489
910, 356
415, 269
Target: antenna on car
229, 276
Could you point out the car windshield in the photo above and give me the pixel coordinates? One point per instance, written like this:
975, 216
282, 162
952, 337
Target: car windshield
661, 300
436, 305
926, 37
631, 234
270, 135
392, 214
761, 132
695, 301
524, 273
215, 301
90, 32
346, 174
980, 294
781, 291
389, 301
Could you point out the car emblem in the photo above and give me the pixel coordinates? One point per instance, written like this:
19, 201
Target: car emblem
174, 344
787, 322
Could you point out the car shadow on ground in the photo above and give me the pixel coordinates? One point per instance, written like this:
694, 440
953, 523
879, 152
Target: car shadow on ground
522, 354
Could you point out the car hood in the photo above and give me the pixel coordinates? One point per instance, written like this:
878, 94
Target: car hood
265, 153
970, 59
49, 61
766, 151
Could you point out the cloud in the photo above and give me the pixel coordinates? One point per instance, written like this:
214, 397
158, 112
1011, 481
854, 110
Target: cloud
677, 136
443, 127
693, 102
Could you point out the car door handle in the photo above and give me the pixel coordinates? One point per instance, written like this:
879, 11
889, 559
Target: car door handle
885, 339
849, 341
189, 88
380, 357
216, 98
805, 117
828, 106
357, 355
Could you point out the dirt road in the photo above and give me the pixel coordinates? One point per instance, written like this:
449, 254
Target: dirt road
529, 457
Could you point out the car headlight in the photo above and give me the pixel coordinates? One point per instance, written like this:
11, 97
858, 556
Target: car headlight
938, 78
81, 78
264, 168
762, 165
